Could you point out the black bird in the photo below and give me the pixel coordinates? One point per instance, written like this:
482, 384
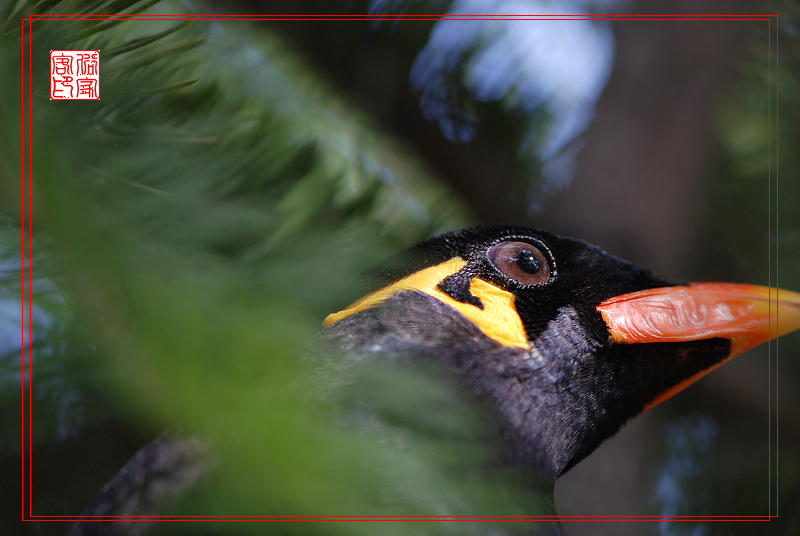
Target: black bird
563, 340
554, 342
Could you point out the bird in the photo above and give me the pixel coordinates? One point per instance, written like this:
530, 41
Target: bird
551, 344
562, 340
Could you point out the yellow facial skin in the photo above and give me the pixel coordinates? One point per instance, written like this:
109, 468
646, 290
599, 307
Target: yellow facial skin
498, 319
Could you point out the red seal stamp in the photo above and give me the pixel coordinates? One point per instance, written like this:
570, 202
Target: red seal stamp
75, 74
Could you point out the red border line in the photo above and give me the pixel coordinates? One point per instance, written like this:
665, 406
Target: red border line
431, 18
769, 265
22, 262
332, 18
30, 268
777, 270
407, 17
407, 518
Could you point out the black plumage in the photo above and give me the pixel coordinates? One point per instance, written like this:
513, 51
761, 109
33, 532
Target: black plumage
557, 400
496, 358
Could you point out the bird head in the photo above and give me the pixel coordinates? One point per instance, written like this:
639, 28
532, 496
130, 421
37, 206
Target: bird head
565, 341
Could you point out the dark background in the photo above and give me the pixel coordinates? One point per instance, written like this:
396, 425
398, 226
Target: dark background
671, 173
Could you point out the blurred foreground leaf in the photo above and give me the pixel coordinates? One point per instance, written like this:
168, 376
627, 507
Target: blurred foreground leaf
192, 228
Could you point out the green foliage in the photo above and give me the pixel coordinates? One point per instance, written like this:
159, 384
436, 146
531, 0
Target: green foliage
191, 229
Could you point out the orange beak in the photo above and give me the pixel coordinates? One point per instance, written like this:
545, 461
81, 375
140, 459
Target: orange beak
747, 315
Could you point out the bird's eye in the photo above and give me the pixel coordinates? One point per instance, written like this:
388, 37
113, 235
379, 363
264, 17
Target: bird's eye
520, 261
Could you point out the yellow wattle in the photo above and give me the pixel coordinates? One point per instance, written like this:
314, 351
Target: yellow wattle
498, 319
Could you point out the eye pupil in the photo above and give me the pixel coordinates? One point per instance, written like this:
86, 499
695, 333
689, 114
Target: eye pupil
527, 262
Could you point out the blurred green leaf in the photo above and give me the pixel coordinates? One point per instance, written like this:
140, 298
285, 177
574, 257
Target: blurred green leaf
193, 239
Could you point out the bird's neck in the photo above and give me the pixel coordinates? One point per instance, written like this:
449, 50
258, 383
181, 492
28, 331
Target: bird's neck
531, 392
